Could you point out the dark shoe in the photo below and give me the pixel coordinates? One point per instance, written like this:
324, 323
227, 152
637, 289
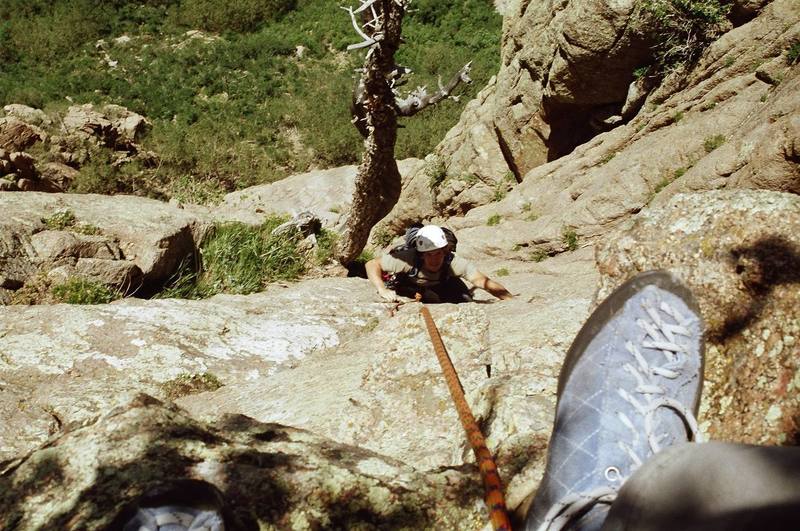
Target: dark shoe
630, 385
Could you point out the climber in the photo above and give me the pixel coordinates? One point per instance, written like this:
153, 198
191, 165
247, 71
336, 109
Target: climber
427, 264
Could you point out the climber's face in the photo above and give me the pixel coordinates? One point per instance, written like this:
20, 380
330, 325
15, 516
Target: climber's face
432, 260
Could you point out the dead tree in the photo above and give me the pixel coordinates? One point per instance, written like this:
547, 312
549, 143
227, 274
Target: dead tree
376, 106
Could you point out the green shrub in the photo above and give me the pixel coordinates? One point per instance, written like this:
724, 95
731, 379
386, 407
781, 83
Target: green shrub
237, 16
640, 72
326, 245
242, 259
685, 27
607, 158
365, 256
382, 237
60, 220
493, 220
793, 53
713, 142
569, 238
436, 171
502, 272
82, 291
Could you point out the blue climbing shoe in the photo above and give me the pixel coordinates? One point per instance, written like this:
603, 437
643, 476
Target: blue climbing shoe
630, 386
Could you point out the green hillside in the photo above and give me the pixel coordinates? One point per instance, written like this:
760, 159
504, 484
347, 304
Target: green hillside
237, 103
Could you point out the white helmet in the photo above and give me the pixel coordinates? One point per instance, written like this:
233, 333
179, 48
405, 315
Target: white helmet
430, 238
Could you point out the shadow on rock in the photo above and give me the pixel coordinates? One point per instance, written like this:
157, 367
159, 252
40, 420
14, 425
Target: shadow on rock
762, 266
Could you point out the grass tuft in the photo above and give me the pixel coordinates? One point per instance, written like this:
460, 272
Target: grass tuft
569, 238
241, 259
713, 142
82, 291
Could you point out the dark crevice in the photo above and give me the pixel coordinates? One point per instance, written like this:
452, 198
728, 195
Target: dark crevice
507, 155
570, 126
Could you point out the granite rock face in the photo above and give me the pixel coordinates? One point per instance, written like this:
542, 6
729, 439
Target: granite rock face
565, 118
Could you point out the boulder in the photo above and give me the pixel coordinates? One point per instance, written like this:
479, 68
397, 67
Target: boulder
58, 174
76, 362
16, 135
29, 115
724, 129
372, 375
24, 165
154, 237
113, 126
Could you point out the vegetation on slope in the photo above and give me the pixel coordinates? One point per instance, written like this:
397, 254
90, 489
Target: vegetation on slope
263, 91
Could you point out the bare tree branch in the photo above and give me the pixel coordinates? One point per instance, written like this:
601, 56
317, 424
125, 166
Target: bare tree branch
420, 98
367, 40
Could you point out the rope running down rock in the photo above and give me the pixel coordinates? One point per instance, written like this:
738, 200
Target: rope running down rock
492, 484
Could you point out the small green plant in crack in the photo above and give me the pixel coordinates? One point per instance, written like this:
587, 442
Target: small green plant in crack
493, 220
677, 117
365, 256
713, 142
502, 272
382, 236
678, 173
793, 53
569, 238
436, 172
640, 72
539, 255
188, 384
729, 61
66, 220
63, 219
470, 179
526, 206
371, 324
608, 157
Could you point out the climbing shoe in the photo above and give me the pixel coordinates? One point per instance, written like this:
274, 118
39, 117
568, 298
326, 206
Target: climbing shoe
630, 386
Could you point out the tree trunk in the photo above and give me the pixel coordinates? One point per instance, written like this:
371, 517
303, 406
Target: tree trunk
378, 179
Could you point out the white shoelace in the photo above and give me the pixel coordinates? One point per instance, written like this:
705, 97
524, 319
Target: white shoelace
661, 336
